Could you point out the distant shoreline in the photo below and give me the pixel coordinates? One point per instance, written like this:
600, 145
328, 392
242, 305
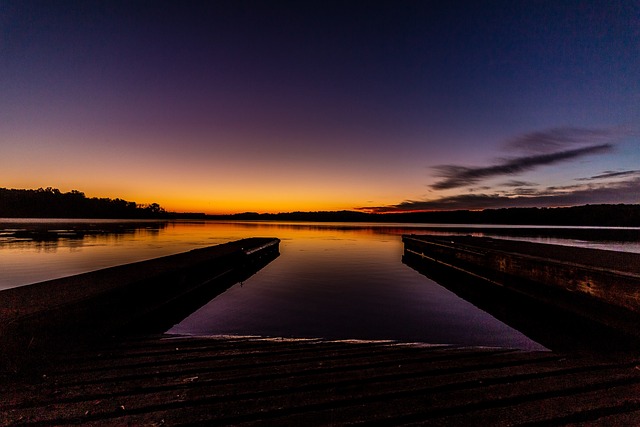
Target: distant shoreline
52, 203
577, 216
51, 229
587, 215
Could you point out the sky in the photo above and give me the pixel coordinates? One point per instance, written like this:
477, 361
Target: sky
278, 106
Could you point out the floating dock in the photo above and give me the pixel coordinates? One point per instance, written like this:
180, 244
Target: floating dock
145, 295
599, 285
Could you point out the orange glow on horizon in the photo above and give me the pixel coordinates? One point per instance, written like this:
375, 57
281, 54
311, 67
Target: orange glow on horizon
226, 207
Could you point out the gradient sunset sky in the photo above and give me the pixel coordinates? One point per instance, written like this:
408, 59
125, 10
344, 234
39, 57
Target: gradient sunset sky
277, 106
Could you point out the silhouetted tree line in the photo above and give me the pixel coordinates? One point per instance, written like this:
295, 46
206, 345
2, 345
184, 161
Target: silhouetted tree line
588, 215
52, 203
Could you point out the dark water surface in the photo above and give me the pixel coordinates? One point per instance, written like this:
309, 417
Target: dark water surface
347, 284
342, 281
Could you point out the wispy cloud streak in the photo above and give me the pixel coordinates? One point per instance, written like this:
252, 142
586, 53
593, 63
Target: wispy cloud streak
541, 148
460, 176
514, 183
555, 139
618, 192
610, 174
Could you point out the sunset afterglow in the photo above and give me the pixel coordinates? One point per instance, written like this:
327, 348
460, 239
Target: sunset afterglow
225, 107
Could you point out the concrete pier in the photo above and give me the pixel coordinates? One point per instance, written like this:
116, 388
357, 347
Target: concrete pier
37, 318
603, 286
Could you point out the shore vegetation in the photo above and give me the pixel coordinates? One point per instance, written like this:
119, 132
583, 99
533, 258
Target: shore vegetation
52, 203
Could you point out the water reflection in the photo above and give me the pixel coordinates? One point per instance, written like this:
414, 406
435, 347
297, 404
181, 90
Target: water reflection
28, 253
172, 312
334, 280
36, 250
344, 284
50, 234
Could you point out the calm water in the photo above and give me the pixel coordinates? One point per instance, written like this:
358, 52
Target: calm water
342, 281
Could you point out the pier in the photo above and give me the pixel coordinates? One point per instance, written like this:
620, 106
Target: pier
598, 285
148, 296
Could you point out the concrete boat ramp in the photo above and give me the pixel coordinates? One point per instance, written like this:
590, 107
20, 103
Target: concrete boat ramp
116, 378
248, 381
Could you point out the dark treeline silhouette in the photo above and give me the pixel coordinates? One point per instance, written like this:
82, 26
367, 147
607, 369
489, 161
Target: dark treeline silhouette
52, 203
588, 215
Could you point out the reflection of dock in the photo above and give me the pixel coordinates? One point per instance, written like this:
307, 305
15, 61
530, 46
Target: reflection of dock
601, 286
143, 295
164, 381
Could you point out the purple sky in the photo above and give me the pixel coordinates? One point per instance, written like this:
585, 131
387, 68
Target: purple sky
280, 106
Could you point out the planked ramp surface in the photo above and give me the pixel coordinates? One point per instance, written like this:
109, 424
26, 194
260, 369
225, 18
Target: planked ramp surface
168, 380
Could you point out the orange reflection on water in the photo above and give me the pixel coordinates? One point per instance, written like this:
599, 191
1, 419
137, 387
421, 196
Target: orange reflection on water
37, 250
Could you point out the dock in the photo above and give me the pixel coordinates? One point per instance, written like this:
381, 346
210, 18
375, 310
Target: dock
600, 286
145, 296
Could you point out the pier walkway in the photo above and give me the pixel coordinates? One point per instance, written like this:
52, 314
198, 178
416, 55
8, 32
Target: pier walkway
148, 295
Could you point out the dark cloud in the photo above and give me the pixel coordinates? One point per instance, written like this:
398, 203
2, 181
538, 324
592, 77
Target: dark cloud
476, 189
514, 183
521, 191
558, 188
618, 192
556, 139
469, 201
610, 174
460, 176
550, 147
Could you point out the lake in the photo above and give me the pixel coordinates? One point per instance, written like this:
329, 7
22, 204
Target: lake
332, 280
